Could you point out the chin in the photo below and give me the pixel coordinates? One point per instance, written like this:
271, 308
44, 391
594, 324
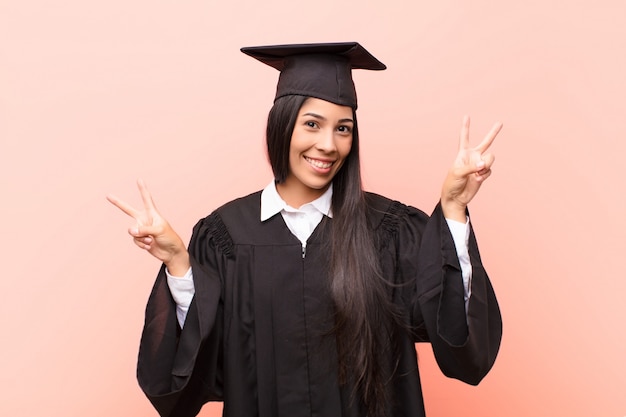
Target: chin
318, 186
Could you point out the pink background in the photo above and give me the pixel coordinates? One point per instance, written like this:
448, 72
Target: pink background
96, 94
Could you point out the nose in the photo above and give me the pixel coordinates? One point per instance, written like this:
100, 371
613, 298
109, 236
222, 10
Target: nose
326, 141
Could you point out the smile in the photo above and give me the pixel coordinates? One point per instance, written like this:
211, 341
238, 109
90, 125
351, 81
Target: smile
319, 164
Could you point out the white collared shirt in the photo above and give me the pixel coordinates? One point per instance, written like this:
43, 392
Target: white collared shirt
302, 222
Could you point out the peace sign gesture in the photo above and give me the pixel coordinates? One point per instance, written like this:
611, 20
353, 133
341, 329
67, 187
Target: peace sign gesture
153, 233
470, 169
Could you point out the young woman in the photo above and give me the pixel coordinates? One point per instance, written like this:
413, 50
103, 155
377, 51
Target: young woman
306, 299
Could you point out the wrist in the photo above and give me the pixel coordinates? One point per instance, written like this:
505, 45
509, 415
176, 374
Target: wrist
453, 210
179, 264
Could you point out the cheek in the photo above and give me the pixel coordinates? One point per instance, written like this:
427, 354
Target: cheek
345, 147
297, 143
294, 152
294, 157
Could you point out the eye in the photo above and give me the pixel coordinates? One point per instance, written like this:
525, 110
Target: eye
311, 124
344, 129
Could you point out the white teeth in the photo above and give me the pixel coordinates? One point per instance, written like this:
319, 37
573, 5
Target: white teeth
318, 164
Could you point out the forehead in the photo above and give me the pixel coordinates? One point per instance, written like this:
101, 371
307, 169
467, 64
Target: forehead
325, 109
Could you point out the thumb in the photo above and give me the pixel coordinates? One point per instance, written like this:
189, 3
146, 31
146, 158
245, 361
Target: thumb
143, 230
466, 170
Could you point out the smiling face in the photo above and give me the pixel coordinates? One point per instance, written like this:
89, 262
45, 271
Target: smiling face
320, 142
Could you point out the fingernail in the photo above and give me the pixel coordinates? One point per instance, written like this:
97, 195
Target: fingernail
134, 231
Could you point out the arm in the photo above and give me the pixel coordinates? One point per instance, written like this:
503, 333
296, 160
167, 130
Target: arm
465, 335
178, 369
182, 290
460, 235
465, 344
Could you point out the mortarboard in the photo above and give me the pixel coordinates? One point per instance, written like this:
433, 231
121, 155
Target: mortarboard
320, 70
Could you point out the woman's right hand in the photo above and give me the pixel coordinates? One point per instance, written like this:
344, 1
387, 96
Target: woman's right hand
154, 234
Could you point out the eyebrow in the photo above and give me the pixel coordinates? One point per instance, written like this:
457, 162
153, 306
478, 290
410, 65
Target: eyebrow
318, 116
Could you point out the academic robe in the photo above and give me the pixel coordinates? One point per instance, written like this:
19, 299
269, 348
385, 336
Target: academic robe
257, 335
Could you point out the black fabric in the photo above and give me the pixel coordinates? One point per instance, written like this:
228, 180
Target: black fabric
321, 70
257, 332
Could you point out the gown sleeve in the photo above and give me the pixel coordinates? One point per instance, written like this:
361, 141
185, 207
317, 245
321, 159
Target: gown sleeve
465, 343
180, 369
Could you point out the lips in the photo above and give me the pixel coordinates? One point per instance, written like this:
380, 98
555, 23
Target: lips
317, 163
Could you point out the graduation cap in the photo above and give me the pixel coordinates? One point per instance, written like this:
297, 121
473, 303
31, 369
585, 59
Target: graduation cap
320, 70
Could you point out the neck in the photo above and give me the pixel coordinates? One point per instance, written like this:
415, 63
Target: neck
297, 195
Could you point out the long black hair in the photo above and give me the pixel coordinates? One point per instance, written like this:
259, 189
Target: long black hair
365, 318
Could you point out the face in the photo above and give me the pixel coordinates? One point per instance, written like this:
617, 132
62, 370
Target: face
320, 143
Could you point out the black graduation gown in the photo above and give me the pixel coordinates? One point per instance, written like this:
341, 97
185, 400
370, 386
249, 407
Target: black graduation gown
257, 331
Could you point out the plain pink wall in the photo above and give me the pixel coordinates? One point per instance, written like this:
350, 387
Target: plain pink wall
96, 94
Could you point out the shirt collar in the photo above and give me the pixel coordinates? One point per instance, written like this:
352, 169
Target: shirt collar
272, 203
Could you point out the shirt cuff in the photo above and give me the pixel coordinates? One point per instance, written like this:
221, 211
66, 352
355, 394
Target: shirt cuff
182, 290
460, 234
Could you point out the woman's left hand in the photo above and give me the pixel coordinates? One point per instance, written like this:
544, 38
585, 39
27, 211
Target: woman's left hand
470, 169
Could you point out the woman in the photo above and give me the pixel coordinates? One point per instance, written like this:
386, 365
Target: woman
307, 298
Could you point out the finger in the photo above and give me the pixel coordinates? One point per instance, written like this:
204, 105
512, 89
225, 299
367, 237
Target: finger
482, 176
488, 140
125, 207
464, 171
464, 136
484, 164
478, 165
489, 159
141, 245
147, 240
145, 195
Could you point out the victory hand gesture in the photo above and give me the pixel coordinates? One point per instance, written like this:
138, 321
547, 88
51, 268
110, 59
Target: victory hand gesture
154, 234
470, 169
